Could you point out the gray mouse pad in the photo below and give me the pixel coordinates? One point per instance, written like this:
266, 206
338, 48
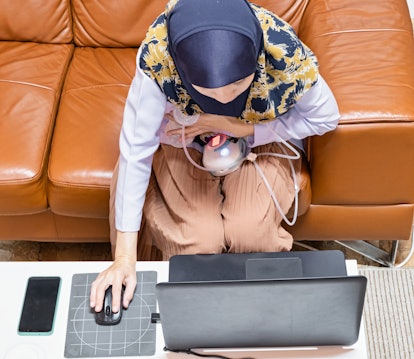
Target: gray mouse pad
134, 336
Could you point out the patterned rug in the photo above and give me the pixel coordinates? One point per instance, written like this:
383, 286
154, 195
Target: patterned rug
389, 312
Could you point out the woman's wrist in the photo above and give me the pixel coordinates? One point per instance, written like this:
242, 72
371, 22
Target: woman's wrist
238, 128
126, 246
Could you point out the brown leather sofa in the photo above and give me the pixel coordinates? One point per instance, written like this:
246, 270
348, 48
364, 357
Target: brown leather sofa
65, 69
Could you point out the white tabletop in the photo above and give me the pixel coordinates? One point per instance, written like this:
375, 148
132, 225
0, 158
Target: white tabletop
13, 280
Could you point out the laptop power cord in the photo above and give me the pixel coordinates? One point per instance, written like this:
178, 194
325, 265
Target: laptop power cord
155, 318
190, 351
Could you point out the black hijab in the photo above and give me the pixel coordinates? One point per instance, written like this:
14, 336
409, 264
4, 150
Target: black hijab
214, 43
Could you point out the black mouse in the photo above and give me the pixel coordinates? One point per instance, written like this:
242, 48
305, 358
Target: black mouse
106, 316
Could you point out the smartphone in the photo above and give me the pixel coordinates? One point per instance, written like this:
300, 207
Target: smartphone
39, 306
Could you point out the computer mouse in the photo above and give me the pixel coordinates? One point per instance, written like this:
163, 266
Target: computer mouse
106, 316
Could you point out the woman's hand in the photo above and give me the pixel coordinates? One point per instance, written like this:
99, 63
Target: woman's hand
121, 272
208, 123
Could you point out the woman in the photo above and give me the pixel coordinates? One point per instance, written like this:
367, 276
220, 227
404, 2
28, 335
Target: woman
222, 66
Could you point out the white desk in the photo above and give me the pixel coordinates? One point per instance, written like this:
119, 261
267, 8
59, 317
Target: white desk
13, 279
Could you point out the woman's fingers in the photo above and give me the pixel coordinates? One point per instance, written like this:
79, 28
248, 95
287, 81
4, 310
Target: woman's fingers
116, 275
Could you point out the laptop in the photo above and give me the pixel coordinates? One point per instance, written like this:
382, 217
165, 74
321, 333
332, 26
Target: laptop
272, 265
250, 313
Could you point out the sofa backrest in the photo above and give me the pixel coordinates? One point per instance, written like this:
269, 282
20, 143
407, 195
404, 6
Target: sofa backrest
98, 23
38, 21
124, 23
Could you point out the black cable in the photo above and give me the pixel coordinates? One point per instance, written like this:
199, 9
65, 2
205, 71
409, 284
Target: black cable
190, 351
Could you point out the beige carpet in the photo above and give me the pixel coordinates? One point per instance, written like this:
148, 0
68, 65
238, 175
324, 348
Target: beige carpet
389, 312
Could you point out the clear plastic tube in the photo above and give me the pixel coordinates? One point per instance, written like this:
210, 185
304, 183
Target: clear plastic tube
252, 157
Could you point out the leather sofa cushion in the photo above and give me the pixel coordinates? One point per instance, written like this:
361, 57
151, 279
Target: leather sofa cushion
52, 22
370, 223
113, 23
88, 125
32, 76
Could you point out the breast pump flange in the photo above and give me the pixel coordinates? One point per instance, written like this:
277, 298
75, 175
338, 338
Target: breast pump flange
223, 154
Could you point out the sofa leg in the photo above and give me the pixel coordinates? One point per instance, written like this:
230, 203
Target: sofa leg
372, 252
368, 250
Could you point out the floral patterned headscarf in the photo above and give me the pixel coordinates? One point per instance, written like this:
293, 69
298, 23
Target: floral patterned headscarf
284, 68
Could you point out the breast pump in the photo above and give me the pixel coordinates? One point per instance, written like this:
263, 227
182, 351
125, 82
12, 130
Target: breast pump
224, 154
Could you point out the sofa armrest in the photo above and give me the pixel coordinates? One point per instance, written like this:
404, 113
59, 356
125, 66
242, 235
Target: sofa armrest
365, 49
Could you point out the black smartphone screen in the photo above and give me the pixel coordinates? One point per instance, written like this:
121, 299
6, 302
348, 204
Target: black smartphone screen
39, 305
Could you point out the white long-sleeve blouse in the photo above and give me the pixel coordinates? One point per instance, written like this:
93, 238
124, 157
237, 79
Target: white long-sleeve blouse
314, 114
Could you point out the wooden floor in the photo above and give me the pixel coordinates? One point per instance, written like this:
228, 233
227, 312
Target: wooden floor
34, 251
